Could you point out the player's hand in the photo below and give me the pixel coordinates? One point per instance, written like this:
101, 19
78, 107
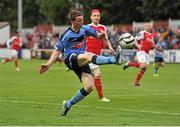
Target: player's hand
138, 46
43, 68
101, 35
111, 51
159, 48
149, 40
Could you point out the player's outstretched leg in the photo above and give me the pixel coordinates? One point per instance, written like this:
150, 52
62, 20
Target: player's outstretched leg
116, 59
6, 60
131, 64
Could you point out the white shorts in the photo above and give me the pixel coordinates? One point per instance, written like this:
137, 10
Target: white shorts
60, 57
143, 57
14, 53
93, 66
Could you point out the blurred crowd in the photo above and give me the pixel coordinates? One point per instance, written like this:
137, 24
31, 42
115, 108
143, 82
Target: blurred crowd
169, 37
43, 37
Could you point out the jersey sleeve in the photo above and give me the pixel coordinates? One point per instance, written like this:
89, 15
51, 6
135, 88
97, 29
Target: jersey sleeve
140, 36
20, 42
59, 46
8, 43
106, 33
90, 31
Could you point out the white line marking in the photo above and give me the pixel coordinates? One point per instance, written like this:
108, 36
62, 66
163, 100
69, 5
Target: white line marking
135, 95
109, 95
84, 106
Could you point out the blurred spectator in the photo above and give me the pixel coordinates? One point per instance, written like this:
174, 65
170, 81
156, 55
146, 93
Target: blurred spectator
54, 39
156, 35
44, 37
178, 32
29, 44
174, 42
163, 43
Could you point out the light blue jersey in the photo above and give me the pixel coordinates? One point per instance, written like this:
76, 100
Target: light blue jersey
74, 42
160, 53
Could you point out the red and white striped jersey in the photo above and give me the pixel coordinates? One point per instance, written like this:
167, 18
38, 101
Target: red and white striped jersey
15, 43
146, 40
95, 45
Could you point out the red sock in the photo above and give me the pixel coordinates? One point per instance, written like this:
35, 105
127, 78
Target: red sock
7, 60
16, 62
98, 85
133, 64
139, 76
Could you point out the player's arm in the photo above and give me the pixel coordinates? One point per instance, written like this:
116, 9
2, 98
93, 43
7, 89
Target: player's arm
137, 44
158, 47
54, 57
44, 67
8, 43
20, 42
101, 35
139, 37
93, 32
107, 42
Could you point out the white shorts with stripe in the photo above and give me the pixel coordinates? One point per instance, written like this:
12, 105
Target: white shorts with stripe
93, 66
143, 57
13, 53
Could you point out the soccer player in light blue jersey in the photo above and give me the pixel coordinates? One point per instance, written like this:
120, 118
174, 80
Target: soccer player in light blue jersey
158, 59
72, 45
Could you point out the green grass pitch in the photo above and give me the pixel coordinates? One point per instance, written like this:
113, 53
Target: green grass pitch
27, 98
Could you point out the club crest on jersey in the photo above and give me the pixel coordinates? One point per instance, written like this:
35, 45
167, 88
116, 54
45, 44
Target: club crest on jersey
79, 45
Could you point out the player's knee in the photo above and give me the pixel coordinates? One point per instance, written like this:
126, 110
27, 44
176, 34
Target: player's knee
89, 56
89, 88
159, 64
97, 75
162, 64
143, 67
14, 58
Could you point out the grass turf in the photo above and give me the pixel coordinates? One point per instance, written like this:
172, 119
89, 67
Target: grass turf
27, 98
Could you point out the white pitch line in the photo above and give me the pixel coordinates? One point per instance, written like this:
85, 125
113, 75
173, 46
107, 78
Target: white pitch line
30, 102
110, 95
84, 106
140, 95
29, 97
